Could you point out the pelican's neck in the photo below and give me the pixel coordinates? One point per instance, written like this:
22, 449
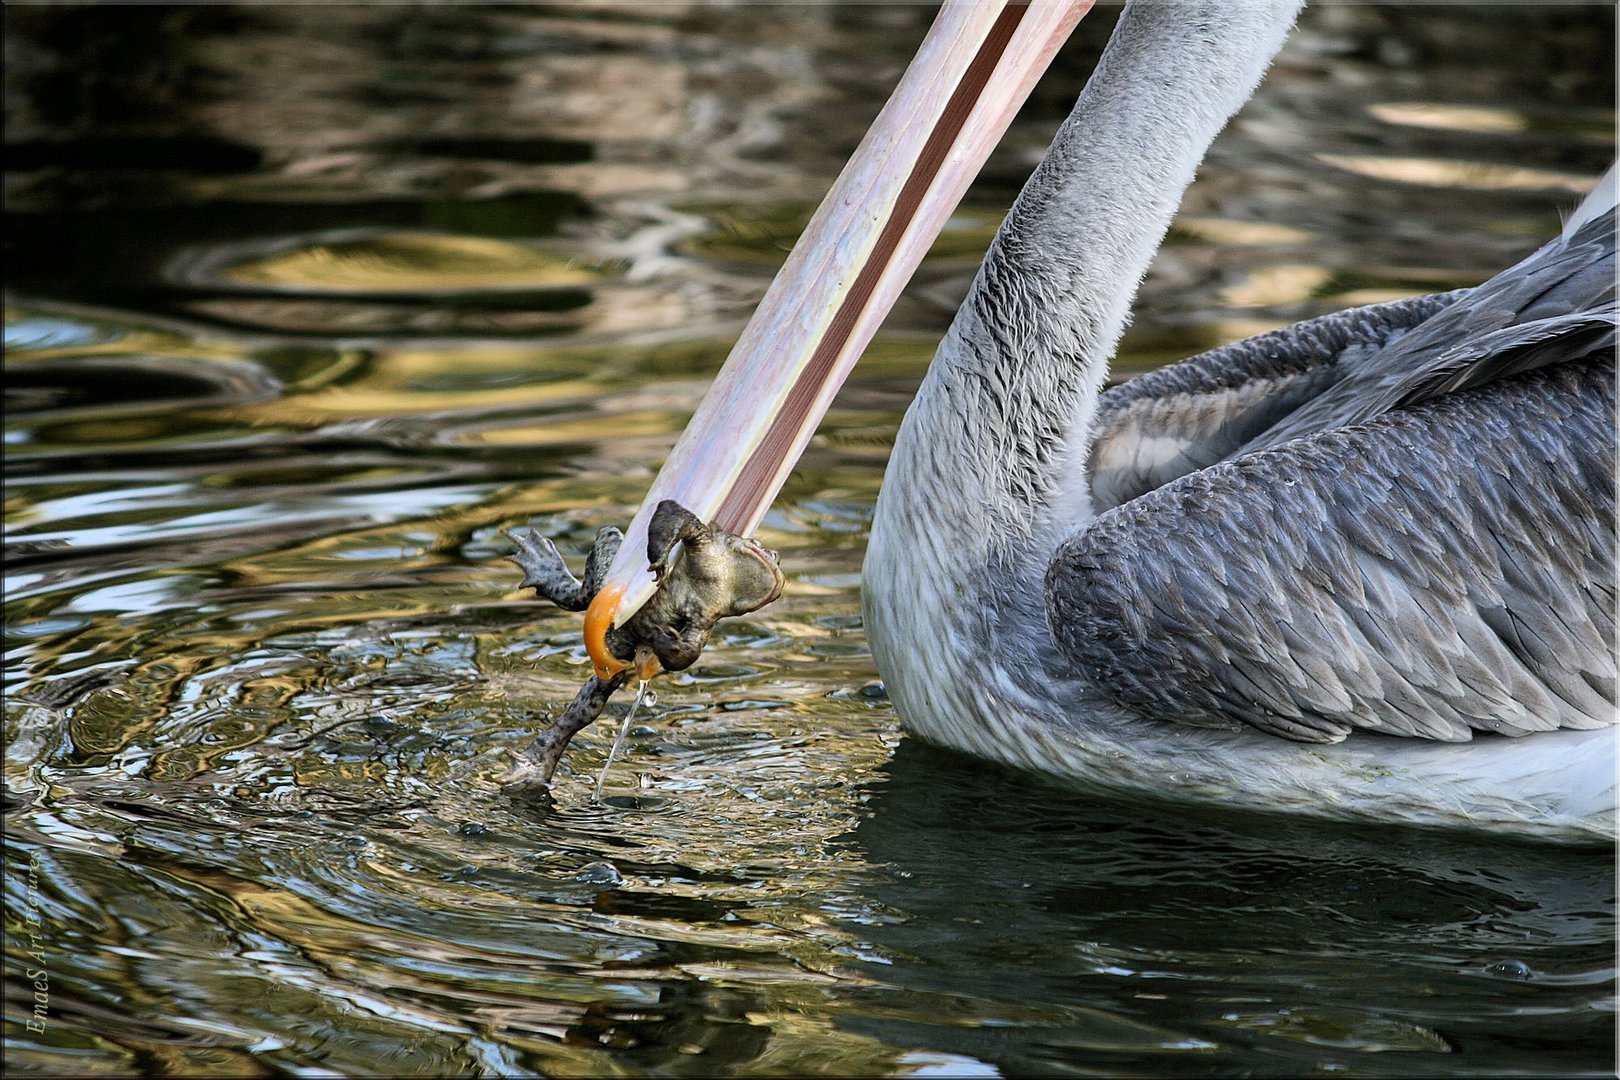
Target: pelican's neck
987, 475
998, 435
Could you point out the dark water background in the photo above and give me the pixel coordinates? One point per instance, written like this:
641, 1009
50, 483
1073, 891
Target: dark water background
305, 304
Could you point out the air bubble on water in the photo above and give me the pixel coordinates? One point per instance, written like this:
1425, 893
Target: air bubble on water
1515, 970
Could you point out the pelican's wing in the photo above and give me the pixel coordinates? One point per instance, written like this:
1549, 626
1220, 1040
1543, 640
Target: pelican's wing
1554, 305
1443, 568
1184, 416
1557, 304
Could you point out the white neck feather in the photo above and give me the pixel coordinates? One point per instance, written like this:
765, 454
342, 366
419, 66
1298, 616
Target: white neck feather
987, 474
999, 430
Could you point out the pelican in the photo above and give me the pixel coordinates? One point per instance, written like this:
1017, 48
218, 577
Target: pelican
1361, 568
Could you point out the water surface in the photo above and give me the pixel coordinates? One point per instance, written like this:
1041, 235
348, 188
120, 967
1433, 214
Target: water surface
307, 304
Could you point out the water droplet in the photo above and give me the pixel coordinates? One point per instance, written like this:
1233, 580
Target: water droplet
473, 828
1516, 970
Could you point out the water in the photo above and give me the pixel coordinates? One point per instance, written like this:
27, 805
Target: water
308, 303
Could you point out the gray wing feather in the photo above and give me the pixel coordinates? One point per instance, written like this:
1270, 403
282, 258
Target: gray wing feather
1441, 569
1556, 305
1182, 417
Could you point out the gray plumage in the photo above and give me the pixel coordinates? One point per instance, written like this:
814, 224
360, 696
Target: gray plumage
1211, 405
1442, 569
1422, 498
1556, 306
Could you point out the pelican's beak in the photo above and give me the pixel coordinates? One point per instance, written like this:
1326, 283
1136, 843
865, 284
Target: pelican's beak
977, 65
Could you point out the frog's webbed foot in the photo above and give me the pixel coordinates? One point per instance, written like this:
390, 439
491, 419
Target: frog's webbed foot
548, 575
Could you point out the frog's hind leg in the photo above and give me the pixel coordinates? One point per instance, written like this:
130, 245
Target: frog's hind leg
601, 557
533, 768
